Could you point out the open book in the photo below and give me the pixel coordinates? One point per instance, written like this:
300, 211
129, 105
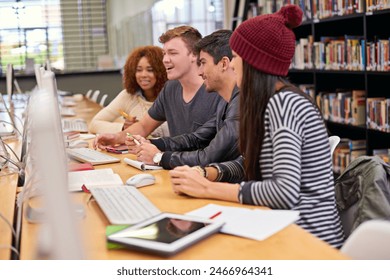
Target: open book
140, 165
93, 178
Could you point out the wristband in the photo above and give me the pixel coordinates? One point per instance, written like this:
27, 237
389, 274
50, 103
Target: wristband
201, 170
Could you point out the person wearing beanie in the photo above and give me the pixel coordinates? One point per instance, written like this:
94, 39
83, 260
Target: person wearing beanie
286, 161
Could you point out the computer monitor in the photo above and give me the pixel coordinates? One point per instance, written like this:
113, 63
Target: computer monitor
49, 162
10, 76
38, 75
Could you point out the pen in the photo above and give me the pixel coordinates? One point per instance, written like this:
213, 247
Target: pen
135, 140
215, 215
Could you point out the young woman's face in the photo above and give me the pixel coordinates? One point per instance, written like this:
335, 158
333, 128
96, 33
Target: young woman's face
177, 59
144, 75
236, 65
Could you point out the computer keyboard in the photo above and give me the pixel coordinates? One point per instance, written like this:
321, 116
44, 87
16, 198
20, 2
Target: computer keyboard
67, 112
124, 205
74, 125
92, 156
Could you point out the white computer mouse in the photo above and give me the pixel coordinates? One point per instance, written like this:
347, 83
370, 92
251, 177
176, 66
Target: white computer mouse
78, 144
141, 180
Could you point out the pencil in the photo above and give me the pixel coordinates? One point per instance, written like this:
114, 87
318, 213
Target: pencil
215, 215
135, 140
125, 115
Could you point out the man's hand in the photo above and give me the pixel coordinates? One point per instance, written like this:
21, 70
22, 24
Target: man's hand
146, 152
134, 142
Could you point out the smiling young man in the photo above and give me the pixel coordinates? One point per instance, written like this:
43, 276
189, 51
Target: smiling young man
183, 102
217, 139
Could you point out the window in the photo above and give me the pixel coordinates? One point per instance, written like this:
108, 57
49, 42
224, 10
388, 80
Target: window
69, 34
205, 15
30, 32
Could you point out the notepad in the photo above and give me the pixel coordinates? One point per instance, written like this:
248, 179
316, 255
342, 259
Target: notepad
140, 165
92, 178
254, 224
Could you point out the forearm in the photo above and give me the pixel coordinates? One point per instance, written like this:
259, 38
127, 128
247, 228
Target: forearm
222, 191
100, 126
137, 129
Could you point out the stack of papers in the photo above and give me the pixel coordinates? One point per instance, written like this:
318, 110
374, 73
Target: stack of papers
92, 178
255, 224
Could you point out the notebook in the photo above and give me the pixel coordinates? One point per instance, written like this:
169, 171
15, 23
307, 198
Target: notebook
140, 165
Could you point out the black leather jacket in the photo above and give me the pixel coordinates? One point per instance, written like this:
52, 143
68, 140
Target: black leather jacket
215, 141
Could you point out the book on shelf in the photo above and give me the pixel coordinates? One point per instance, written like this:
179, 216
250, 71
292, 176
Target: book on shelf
343, 106
377, 113
346, 151
358, 107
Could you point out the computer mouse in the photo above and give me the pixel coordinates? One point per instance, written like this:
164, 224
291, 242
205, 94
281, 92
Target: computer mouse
78, 144
141, 180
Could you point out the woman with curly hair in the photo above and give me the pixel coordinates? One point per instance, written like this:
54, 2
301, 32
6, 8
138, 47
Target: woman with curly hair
144, 77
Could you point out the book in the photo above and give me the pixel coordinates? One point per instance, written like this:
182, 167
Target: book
71, 135
140, 165
93, 178
77, 166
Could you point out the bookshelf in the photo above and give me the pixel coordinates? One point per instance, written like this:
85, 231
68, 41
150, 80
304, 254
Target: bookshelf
342, 48
366, 67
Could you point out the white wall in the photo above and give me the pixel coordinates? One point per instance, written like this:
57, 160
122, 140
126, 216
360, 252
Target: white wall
117, 10
128, 25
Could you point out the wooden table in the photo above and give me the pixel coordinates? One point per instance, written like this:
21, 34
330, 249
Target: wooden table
290, 243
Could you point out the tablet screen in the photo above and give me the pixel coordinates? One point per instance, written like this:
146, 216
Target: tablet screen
166, 230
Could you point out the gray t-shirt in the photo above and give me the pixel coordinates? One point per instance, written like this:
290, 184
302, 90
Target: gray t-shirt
184, 117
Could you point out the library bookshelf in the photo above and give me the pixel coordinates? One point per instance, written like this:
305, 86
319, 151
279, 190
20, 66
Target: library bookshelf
339, 54
342, 48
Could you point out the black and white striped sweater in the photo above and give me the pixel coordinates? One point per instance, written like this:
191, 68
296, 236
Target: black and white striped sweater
296, 167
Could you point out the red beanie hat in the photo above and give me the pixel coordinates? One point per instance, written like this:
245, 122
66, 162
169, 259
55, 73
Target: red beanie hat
267, 42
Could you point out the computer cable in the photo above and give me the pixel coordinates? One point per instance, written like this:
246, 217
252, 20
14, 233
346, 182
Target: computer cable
10, 123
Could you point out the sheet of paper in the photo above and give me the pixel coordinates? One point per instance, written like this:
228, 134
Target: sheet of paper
91, 178
254, 224
140, 165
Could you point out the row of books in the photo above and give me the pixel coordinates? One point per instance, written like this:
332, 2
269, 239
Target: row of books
378, 113
351, 107
343, 106
342, 53
320, 9
346, 151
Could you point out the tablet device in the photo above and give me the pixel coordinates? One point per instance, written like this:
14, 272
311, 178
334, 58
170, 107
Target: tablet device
166, 234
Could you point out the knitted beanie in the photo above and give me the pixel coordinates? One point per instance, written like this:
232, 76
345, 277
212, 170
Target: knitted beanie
267, 42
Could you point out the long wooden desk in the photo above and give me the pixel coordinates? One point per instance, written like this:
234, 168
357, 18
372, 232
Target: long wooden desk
8, 190
290, 243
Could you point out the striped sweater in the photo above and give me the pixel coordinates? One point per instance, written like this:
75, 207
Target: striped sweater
296, 167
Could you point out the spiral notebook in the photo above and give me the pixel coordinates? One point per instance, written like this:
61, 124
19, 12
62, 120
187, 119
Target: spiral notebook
140, 165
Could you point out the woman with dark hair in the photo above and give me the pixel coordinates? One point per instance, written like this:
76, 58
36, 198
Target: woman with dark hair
286, 160
144, 77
